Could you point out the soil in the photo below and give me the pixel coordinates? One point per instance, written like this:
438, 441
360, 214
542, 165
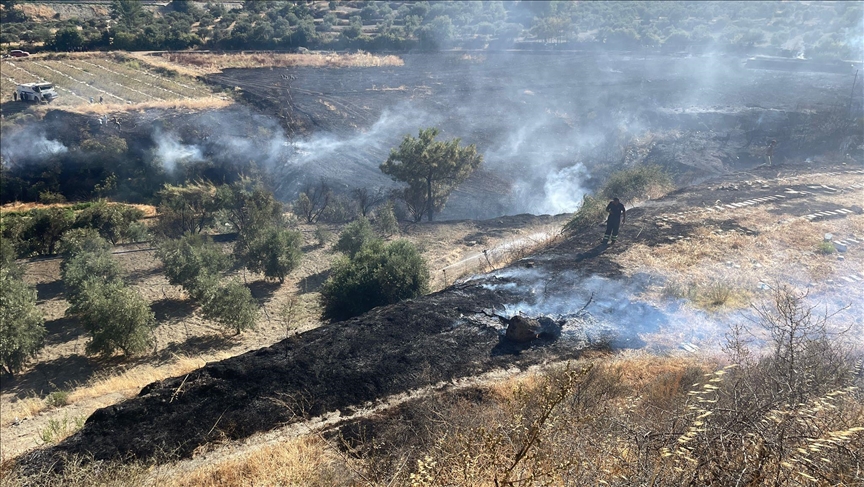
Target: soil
452, 334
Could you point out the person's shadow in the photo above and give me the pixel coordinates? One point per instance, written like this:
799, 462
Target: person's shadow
590, 254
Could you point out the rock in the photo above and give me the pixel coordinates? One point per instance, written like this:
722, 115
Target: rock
521, 329
828, 237
840, 247
840, 257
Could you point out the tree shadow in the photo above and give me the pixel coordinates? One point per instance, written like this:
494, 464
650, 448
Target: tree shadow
313, 282
46, 377
196, 345
62, 330
172, 309
49, 290
136, 276
263, 290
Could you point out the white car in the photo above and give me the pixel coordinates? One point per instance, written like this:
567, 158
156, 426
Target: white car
38, 92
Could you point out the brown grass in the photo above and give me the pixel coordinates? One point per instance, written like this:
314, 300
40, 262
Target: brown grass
208, 63
308, 461
204, 103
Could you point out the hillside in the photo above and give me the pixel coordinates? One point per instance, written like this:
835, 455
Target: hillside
762, 230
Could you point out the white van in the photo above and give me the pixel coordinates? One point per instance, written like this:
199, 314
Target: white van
38, 92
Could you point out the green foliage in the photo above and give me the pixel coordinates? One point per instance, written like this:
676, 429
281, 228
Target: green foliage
116, 317
385, 220
7, 259
21, 325
50, 198
629, 183
323, 235
432, 169
354, 237
249, 206
80, 240
42, 229
231, 305
58, 429
190, 208
375, 276
826, 247
274, 251
193, 262
79, 270
112, 220
57, 399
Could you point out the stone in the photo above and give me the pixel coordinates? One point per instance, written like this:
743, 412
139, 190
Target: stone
828, 237
840, 247
521, 329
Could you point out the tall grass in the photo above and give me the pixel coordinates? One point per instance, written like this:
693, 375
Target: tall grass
628, 184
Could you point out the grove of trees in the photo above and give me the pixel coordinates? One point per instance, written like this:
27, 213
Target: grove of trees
826, 29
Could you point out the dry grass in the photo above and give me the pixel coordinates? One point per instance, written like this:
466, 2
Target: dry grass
38, 11
204, 103
124, 382
308, 461
208, 63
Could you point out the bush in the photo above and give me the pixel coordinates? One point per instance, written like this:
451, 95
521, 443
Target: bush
116, 317
231, 305
190, 208
826, 247
193, 262
323, 235
275, 252
78, 270
80, 240
7, 259
354, 237
113, 221
57, 399
385, 220
21, 324
630, 183
42, 229
377, 275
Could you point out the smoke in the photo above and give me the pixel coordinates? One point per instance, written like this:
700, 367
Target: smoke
29, 145
170, 152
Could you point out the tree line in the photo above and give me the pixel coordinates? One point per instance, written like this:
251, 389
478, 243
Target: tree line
815, 28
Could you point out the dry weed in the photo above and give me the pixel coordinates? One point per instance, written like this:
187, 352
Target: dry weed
308, 461
209, 63
204, 103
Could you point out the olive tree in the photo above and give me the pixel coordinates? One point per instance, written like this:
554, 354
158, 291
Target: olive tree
21, 325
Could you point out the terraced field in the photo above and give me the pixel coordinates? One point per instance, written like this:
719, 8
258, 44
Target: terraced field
82, 80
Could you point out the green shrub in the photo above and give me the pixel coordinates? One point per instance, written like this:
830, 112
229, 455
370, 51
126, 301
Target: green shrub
78, 270
193, 262
21, 325
826, 247
7, 259
385, 220
376, 276
78, 240
190, 208
113, 221
50, 198
636, 182
354, 237
231, 305
116, 317
323, 235
627, 184
59, 429
275, 252
41, 230
57, 399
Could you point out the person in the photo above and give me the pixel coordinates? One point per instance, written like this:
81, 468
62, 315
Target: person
617, 215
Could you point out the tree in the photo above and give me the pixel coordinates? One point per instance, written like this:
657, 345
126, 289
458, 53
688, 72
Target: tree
68, 39
80, 240
117, 317
367, 199
189, 208
193, 262
231, 305
313, 201
431, 168
111, 220
127, 12
273, 251
375, 276
21, 325
79, 269
42, 230
248, 205
354, 237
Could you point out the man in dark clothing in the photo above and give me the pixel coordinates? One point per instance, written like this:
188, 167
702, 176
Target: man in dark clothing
617, 215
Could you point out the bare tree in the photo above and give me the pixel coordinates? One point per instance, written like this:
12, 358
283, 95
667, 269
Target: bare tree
367, 199
313, 200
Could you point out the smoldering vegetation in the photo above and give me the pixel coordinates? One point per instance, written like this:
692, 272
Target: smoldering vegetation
550, 126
